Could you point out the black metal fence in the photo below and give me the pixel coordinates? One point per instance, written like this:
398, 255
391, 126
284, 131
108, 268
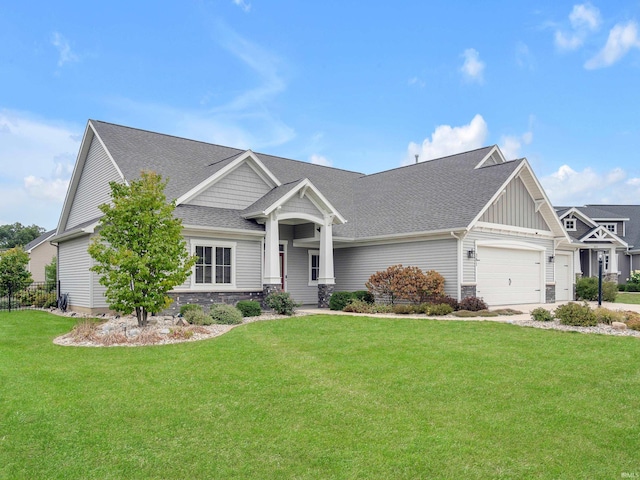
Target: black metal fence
29, 295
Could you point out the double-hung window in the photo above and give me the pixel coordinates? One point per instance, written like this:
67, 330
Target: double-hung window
314, 266
214, 264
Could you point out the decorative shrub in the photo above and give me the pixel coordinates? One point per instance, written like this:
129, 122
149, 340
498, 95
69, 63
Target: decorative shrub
635, 277
541, 315
587, 289
225, 314
359, 306
478, 313
604, 315
406, 283
633, 321
339, 300
197, 316
364, 295
507, 311
404, 309
439, 309
189, 306
473, 304
576, 315
622, 287
632, 287
281, 303
439, 299
249, 308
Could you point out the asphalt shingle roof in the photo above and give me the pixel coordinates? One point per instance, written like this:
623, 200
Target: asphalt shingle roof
446, 193
37, 241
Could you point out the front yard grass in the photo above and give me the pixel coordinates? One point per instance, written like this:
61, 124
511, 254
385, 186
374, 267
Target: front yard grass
321, 397
626, 297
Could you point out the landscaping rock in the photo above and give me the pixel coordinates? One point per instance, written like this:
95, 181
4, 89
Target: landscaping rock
181, 322
618, 325
165, 331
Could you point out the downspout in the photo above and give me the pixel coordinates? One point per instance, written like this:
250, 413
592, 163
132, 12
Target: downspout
459, 237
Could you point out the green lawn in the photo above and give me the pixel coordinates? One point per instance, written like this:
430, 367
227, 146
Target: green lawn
626, 297
321, 397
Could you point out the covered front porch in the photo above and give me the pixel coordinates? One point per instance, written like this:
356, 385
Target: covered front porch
601, 245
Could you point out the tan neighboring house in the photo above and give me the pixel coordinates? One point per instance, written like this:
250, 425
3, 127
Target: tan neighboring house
41, 252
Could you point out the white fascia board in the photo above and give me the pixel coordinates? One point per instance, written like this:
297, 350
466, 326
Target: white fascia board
80, 232
400, 237
320, 201
577, 213
40, 242
212, 231
598, 219
494, 149
513, 229
247, 156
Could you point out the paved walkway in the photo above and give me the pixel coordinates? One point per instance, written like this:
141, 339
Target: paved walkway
525, 309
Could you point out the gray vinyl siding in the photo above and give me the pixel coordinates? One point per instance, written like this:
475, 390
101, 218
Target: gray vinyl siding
248, 262
353, 266
93, 187
516, 208
305, 230
624, 267
73, 271
300, 205
236, 190
468, 265
581, 229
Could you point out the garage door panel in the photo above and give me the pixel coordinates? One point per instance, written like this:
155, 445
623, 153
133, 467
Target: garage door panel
508, 276
564, 285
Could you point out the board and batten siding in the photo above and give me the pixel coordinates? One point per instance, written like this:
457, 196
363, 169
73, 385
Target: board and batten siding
469, 243
248, 262
516, 208
73, 271
93, 187
236, 190
353, 266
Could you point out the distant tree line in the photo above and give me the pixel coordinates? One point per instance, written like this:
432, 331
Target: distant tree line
18, 235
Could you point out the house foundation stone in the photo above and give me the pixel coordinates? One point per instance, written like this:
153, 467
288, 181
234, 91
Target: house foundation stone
467, 291
324, 294
268, 289
551, 293
206, 299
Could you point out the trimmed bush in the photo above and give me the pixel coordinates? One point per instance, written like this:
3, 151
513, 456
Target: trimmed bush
358, 306
439, 299
404, 309
339, 300
606, 316
576, 315
632, 287
541, 315
364, 295
473, 304
249, 308
622, 287
196, 316
224, 314
587, 289
439, 309
281, 303
188, 307
633, 321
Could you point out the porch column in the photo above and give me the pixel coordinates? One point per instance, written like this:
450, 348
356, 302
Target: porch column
271, 280
613, 265
326, 279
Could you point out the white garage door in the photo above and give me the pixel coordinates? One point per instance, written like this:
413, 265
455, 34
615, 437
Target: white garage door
509, 276
564, 285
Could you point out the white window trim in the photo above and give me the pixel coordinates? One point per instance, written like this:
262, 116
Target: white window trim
313, 283
566, 226
606, 262
213, 284
614, 225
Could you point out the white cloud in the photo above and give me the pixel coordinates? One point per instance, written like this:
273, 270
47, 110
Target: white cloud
567, 186
64, 49
510, 145
320, 160
584, 19
622, 38
243, 5
447, 140
472, 68
417, 82
37, 158
524, 58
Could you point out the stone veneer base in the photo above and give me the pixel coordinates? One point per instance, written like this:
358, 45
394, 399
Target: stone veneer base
206, 299
324, 294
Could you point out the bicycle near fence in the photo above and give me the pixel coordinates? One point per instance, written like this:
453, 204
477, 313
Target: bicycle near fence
29, 295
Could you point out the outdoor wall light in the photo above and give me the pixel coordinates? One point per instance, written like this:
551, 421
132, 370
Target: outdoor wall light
471, 253
552, 259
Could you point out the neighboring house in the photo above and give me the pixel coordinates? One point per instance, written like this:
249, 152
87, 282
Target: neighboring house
610, 232
261, 223
41, 253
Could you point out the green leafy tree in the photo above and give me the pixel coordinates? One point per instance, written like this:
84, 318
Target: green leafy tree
140, 252
17, 235
50, 274
14, 275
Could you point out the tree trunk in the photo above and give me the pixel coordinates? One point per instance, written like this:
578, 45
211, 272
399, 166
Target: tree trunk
141, 314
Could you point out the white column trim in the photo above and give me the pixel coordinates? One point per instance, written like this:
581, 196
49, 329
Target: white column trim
326, 274
272, 251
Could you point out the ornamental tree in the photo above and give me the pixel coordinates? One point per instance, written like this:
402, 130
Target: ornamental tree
17, 235
14, 275
407, 283
140, 252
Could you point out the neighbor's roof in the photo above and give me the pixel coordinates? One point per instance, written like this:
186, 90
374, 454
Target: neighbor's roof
446, 193
41, 239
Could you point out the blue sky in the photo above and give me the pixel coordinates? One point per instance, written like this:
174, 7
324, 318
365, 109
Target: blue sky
360, 86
